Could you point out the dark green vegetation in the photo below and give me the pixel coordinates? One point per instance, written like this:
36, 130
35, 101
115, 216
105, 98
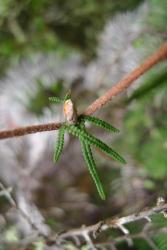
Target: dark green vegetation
147, 115
61, 25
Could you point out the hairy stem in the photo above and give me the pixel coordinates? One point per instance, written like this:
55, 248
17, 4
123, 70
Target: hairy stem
126, 81
155, 58
29, 130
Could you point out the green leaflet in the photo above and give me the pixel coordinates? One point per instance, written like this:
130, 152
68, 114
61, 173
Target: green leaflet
56, 100
88, 157
59, 144
87, 154
99, 123
76, 131
67, 96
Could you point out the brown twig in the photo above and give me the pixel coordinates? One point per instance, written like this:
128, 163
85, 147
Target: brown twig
156, 57
29, 130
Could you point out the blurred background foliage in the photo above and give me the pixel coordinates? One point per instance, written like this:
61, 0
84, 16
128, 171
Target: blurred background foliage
73, 32
53, 25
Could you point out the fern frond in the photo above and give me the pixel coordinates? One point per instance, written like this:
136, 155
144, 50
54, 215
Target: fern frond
56, 100
82, 134
88, 157
59, 144
99, 123
67, 96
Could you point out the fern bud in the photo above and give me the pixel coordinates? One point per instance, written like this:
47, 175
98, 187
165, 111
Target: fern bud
70, 112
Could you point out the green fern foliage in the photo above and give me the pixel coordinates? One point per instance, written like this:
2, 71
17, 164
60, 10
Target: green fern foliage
87, 140
56, 100
83, 135
67, 96
59, 144
99, 123
88, 157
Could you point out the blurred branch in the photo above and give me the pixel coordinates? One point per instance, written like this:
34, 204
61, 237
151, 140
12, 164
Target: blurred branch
6, 192
144, 234
89, 233
117, 223
154, 82
16, 30
155, 58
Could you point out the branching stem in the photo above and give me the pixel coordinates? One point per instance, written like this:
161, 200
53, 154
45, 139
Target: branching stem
156, 57
115, 223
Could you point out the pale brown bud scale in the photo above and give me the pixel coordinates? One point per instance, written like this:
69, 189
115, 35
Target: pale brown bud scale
70, 112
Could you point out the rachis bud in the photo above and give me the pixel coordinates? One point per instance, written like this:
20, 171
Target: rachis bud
70, 112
